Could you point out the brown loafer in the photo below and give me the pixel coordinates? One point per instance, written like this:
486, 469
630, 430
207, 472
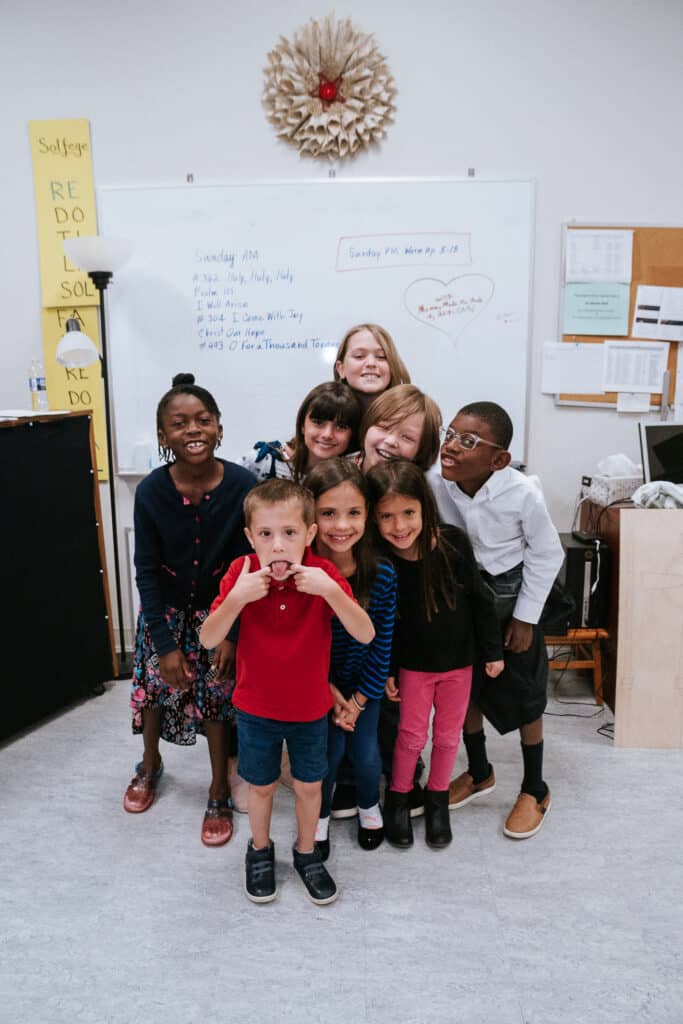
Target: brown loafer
527, 816
141, 790
217, 824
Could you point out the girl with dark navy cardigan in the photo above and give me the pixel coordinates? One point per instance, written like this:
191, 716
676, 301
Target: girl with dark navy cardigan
189, 526
358, 672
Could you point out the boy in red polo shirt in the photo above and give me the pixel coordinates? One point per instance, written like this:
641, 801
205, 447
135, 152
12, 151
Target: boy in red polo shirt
285, 598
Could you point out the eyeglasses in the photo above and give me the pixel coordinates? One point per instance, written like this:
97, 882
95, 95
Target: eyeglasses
466, 441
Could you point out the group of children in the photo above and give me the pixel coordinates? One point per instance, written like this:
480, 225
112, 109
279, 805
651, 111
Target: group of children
353, 580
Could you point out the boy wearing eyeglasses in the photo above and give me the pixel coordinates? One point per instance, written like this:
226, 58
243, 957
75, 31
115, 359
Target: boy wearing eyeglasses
519, 555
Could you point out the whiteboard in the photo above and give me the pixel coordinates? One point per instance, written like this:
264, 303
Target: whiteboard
251, 287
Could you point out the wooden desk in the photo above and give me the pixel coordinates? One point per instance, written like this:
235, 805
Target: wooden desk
644, 652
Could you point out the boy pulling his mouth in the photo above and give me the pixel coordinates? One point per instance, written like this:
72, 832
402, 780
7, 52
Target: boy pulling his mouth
285, 598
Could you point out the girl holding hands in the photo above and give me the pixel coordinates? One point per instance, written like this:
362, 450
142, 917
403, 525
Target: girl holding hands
358, 672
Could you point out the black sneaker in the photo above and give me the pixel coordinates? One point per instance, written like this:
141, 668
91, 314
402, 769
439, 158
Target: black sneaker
260, 874
315, 876
344, 803
417, 801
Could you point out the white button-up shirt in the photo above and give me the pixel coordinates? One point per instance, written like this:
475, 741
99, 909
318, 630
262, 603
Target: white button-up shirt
507, 523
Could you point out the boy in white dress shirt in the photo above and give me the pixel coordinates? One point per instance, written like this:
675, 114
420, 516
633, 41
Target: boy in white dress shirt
519, 554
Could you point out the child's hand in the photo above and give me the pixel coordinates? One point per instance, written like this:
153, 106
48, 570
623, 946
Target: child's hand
252, 586
348, 718
311, 579
339, 702
494, 668
518, 636
223, 661
175, 670
391, 689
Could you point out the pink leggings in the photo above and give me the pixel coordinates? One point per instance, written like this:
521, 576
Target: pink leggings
448, 693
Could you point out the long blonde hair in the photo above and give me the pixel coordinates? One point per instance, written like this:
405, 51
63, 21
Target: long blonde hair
397, 368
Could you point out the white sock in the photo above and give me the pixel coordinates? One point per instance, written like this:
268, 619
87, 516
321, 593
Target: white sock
370, 817
322, 829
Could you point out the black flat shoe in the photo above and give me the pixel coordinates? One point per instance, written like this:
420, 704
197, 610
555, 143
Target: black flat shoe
370, 838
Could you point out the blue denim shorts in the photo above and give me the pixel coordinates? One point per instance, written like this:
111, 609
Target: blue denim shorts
259, 742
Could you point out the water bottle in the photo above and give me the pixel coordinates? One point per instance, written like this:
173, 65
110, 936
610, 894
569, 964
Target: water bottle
41, 387
33, 386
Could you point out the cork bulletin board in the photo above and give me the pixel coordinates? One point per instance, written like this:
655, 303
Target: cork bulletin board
657, 260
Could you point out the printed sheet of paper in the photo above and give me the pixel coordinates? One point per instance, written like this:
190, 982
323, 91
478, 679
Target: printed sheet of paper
658, 313
599, 255
596, 308
571, 369
629, 366
633, 401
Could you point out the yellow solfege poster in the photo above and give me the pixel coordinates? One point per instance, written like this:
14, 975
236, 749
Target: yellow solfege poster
65, 208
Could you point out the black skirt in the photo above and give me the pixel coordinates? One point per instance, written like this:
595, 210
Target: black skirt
519, 695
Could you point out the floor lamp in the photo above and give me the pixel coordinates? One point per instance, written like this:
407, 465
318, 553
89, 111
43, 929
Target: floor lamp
93, 254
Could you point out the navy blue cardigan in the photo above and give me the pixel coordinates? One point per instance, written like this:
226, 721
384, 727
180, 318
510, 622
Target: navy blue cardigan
183, 550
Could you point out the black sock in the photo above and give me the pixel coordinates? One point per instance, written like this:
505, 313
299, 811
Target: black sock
533, 770
478, 766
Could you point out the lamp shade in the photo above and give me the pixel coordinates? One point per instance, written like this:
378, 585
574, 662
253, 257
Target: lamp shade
75, 349
98, 254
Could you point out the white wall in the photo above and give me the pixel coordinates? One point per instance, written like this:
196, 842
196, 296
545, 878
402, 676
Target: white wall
582, 97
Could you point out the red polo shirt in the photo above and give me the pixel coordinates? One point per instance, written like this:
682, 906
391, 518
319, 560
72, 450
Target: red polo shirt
283, 651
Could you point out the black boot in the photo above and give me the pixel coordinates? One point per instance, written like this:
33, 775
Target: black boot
437, 820
398, 827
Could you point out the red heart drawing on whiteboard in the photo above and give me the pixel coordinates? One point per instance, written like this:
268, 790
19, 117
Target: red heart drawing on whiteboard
449, 306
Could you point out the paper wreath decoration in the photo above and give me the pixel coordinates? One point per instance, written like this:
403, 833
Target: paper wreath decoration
329, 91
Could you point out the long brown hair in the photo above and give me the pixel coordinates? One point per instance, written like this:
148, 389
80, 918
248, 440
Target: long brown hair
406, 479
322, 478
397, 368
397, 404
332, 400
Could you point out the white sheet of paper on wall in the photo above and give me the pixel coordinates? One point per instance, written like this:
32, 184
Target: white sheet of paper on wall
658, 313
630, 366
599, 255
571, 369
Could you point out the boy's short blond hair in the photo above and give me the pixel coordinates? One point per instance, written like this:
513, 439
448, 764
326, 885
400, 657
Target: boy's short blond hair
279, 491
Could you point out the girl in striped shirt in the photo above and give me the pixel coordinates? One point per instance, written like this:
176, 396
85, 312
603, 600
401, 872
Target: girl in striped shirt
358, 672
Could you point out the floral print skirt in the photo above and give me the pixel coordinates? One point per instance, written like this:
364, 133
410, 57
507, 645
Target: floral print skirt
184, 712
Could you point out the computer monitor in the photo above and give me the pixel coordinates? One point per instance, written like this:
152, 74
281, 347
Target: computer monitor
661, 448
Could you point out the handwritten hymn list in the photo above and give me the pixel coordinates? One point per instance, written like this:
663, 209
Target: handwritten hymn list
244, 304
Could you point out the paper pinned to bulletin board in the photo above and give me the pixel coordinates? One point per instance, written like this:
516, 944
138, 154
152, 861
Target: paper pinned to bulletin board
627, 257
65, 208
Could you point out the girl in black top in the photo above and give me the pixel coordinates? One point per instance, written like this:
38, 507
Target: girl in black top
189, 526
445, 619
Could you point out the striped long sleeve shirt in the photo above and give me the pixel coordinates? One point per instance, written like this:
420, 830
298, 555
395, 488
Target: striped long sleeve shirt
365, 667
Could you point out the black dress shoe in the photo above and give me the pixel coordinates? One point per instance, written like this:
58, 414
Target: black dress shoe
398, 827
437, 819
323, 848
370, 838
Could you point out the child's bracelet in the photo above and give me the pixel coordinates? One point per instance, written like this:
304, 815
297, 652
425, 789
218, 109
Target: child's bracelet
361, 707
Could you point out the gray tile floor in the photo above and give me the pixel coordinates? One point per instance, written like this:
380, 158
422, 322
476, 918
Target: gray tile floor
109, 917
